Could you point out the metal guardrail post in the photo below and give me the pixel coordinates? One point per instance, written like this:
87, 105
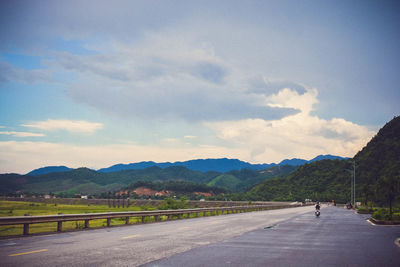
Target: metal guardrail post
26, 228
86, 224
108, 222
59, 226
127, 220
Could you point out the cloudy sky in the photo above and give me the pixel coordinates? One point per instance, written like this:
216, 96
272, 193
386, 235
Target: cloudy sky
95, 83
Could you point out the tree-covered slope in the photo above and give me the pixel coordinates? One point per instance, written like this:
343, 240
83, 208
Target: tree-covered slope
324, 180
378, 165
177, 187
226, 181
87, 181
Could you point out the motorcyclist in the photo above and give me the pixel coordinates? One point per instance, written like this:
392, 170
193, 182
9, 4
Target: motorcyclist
317, 206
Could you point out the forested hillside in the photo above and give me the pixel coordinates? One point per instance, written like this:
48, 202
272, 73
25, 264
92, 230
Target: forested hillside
378, 165
324, 180
87, 181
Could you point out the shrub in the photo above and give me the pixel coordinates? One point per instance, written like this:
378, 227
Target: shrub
381, 214
170, 203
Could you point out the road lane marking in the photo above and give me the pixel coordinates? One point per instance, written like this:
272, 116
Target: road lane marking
130, 236
8, 244
29, 252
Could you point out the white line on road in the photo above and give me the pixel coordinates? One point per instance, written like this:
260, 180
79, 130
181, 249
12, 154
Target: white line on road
130, 236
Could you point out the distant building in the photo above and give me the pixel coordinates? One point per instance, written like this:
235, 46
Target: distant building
84, 197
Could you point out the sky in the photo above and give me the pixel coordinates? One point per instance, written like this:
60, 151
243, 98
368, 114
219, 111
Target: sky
96, 83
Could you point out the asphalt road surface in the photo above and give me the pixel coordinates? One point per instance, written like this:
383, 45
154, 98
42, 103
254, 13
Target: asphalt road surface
337, 238
288, 237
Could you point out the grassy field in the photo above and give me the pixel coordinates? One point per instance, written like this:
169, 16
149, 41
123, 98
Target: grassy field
18, 208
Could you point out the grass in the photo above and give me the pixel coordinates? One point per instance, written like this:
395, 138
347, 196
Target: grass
19, 208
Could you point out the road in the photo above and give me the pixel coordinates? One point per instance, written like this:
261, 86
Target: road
265, 238
338, 238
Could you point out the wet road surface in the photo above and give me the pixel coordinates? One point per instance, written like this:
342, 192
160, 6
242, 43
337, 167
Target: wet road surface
337, 238
136, 244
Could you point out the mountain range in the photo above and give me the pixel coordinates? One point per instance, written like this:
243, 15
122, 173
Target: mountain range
323, 178
204, 165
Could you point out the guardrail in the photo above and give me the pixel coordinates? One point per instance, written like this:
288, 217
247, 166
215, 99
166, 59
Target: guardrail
60, 218
139, 202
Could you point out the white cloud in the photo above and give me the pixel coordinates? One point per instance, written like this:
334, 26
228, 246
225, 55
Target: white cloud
190, 137
288, 98
301, 135
22, 134
73, 126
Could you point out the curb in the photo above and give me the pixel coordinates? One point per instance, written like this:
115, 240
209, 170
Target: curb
379, 222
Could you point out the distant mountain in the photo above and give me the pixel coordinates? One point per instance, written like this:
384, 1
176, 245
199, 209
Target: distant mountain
49, 169
203, 165
299, 162
293, 162
220, 165
231, 174
322, 157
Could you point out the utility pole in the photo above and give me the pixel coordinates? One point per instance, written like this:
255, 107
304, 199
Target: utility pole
354, 181
353, 184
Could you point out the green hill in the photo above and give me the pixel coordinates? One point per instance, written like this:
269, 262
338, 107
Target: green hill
227, 181
86, 181
323, 180
378, 165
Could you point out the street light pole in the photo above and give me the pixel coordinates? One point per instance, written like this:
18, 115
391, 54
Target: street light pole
354, 182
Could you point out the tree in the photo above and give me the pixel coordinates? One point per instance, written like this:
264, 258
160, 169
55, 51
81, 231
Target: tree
389, 187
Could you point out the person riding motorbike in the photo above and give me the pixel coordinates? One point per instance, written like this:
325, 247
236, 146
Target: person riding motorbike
317, 208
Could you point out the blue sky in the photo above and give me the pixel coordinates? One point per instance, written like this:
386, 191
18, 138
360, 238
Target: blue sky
95, 83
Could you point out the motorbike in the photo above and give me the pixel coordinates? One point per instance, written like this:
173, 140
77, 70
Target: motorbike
317, 213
